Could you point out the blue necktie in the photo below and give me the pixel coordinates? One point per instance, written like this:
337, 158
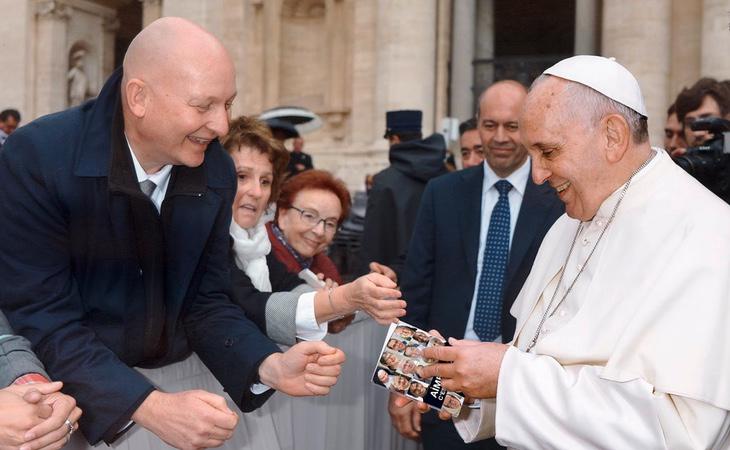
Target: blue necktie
488, 313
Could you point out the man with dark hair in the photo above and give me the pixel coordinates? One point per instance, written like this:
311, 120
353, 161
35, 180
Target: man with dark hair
476, 235
9, 120
396, 193
673, 133
472, 153
706, 98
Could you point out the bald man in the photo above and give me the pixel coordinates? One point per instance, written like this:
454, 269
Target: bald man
115, 219
467, 226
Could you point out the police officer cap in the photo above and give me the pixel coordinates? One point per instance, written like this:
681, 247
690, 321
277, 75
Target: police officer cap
604, 75
405, 120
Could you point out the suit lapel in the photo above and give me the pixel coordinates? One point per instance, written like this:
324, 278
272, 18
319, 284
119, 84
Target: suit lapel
469, 215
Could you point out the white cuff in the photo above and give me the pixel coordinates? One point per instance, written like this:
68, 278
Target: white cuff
259, 388
306, 323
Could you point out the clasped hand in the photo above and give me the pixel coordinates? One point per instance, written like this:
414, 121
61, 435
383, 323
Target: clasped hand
33, 416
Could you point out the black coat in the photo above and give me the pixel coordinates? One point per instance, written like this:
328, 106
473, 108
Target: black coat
253, 301
394, 198
98, 282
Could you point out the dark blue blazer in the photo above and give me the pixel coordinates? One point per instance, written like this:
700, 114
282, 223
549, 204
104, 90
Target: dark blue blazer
440, 272
98, 282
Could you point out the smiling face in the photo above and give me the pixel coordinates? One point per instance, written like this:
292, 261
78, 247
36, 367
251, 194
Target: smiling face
255, 175
306, 239
177, 91
499, 110
471, 149
565, 153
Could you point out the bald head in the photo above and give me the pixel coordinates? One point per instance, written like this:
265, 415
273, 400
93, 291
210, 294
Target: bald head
177, 90
504, 90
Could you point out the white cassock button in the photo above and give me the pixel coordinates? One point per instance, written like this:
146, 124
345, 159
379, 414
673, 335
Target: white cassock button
586, 241
579, 266
600, 223
562, 313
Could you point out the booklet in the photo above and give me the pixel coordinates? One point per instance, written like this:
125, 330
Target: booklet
397, 368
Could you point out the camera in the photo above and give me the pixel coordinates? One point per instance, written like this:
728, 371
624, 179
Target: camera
709, 163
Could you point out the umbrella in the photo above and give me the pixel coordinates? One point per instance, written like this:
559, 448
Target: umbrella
286, 128
303, 119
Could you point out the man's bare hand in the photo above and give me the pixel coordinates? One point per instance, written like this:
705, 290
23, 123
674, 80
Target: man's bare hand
405, 416
383, 270
53, 432
470, 367
308, 368
188, 420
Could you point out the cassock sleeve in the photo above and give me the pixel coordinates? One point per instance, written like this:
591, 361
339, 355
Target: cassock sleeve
541, 404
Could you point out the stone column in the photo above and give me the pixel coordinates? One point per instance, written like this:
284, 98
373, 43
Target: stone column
443, 55
110, 26
17, 55
484, 47
586, 27
151, 11
462, 55
715, 39
51, 56
406, 53
686, 45
639, 38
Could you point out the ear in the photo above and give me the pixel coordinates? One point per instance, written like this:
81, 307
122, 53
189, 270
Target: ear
618, 137
137, 95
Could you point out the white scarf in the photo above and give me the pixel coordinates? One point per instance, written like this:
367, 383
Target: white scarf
250, 247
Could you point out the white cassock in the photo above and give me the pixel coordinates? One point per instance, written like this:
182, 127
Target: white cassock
637, 356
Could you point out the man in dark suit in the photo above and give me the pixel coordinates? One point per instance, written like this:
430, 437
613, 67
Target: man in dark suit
115, 219
477, 232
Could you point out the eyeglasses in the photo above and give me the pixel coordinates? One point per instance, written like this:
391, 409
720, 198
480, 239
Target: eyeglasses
312, 219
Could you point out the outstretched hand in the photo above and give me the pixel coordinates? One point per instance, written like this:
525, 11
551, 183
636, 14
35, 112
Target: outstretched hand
375, 294
308, 368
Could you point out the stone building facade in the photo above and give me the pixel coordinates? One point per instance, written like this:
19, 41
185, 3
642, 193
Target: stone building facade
351, 60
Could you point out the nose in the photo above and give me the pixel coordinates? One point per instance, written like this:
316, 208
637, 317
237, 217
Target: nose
540, 173
500, 135
219, 121
319, 229
254, 189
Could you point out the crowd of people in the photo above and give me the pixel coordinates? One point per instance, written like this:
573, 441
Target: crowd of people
161, 276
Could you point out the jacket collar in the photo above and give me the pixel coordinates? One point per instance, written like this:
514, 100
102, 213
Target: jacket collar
102, 150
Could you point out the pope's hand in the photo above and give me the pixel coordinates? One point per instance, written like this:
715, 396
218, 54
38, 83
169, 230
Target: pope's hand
375, 294
470, 367
308, 368
187, 420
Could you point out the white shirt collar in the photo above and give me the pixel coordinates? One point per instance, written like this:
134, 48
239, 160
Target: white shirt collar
159, 178
518, 178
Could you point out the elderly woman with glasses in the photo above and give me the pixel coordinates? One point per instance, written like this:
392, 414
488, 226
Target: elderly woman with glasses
274, 298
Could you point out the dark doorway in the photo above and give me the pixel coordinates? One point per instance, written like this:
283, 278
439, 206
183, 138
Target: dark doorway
130, 23
529, 36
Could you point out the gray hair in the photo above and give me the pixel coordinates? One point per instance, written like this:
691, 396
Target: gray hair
585, 104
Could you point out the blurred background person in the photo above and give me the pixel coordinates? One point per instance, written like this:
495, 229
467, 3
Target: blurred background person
298, 160
706, 98
673, 133
472, 152
9, 120
396, 193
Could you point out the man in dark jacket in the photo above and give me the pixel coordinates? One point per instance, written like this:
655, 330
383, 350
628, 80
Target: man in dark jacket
115, 219
396, 193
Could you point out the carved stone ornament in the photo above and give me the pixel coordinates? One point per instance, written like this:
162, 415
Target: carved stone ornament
53, 9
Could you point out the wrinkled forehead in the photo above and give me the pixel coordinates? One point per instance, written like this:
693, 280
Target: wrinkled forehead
544, 108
